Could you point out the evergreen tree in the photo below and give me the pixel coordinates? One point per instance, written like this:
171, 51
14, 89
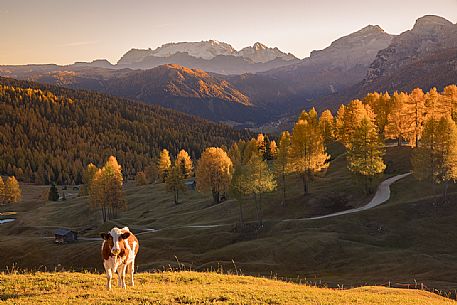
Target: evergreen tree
164, 164
214, 172
307, 150
53, 193
365, 152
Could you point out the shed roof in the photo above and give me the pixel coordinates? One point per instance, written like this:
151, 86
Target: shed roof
62, 231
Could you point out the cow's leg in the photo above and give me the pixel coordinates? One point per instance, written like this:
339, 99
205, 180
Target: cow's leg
109, 275
131, 270
121, 275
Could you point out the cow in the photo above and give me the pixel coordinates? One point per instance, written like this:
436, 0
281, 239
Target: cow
119, 249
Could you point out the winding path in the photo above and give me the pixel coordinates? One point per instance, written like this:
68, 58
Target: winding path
382, 195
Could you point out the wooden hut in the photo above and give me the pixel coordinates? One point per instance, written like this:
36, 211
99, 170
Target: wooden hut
63, 235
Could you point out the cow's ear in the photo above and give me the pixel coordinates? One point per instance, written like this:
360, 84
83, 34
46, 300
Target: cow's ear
125, 235
105, 236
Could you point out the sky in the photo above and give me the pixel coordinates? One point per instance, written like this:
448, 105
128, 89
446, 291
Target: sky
65, 31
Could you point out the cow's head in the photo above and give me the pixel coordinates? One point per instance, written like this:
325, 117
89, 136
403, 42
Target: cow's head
113, 238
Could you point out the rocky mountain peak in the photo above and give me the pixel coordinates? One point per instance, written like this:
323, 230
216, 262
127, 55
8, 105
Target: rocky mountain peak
431, 22
259, 46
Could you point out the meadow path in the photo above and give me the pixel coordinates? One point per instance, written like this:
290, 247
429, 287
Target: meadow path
382, 195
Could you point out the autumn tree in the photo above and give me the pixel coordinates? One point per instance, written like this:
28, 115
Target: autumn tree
13, 192
151, 172
416, 110
164, 164
175, 182
381, 105
261, 180
436, 106
399, 120
2, 191
273, 149
105, 190
261, 145
184, 164
251, 176
88, 176
327, 126
280, 164
450, 96
214, 172
365, 152
436, 159
141, 179
307, 151
348, 118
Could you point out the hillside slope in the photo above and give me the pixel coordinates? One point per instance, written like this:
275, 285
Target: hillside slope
52, 132
194, 288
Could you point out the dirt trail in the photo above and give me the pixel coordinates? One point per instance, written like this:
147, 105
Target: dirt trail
382, 195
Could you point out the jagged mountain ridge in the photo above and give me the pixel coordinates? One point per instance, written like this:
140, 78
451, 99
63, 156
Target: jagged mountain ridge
430, 34
211, 56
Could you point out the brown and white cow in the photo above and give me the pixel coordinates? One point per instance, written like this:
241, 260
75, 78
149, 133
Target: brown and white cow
119, 250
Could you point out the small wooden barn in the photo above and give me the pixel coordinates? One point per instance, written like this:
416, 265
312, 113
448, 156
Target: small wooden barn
63, 235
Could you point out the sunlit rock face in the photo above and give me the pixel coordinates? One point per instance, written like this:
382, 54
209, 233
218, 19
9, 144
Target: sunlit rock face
429, 34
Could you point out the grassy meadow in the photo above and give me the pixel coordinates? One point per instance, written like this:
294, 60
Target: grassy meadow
409, 239
194, 288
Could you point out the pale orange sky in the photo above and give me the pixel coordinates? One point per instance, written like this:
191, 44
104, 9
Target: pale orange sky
65, 31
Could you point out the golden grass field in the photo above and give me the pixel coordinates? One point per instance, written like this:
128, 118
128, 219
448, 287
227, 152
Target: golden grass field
187, 287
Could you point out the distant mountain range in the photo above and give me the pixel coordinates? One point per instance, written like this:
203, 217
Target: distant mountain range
209, 78
211, 56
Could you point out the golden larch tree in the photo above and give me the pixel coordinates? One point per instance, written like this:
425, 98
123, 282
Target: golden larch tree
2, 191
280, 164
436, 158
450, 95
88, 176
214, 172
365, 152
307, 151
113, 180
416, 111
349, 117
399, 121
175, 182
327, 126
13, 192
164, 164
381, 105
260, 180
184, 164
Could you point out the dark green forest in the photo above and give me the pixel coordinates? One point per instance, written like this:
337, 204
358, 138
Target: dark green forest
49, 133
